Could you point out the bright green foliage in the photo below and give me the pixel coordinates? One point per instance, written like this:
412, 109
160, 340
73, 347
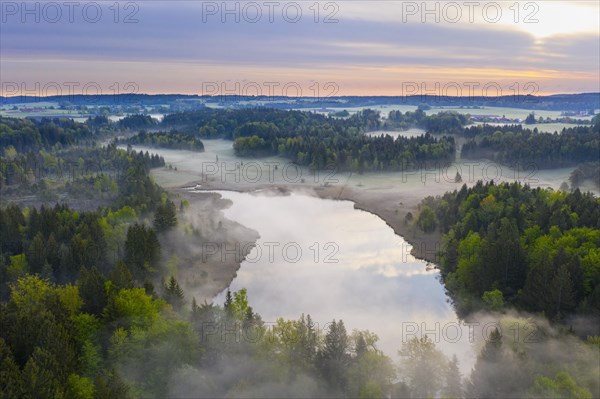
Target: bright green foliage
539, 248
152, 346
70, 298
59, 340
561, 386
296, 342
493, 300
41, 336
239, 306
252, 145
30, 293
79, 388
132, 307
18, 267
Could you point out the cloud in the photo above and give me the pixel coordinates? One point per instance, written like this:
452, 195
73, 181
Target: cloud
179, 40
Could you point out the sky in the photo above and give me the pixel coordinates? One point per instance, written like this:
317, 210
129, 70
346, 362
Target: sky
305, 47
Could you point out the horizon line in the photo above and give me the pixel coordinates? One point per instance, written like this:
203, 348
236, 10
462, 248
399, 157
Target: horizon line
298, 97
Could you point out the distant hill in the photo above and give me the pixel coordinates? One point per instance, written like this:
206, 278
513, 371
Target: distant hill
562, 102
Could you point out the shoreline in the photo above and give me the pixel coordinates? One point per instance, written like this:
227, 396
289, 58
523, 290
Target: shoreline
389, 207
200, 244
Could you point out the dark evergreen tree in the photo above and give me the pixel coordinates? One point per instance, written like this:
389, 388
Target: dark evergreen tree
227, 306
121, 276
174, 294
92, 291
11, 383
334, 358
165, 216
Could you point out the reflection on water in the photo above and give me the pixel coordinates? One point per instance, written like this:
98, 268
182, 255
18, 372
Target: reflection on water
328, 259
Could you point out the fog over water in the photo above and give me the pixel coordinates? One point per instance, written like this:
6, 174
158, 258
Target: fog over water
333, 261
219, 160
375, 284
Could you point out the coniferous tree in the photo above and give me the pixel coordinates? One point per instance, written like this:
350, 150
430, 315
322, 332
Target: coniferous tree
562, 291
111, 385
227, 306
165, 216
498, 373
174, 294
52, 254
334, 357
36, 256
483, 382
11, 383
39, 377
121, 276
361, 346
142, 249
92, 291
453, 384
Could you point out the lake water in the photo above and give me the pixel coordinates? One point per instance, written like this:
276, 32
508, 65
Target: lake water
375, 284
327, 259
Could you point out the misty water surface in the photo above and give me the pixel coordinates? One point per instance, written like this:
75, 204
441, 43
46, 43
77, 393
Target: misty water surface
375, 284
362, 272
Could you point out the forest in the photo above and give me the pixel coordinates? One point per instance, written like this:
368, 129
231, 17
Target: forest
505, 244
137, 121
357, 153
83, 317
109, 333
89, 309
172, 140
25, 134
444, 122
267, 123
510, 145
319, 141
103, 174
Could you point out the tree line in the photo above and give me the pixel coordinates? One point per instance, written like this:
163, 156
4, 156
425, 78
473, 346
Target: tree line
509, 145
26, 134
315, 140
86, 172
171, 140
82, 315
445, 122
510, 244
69, 280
